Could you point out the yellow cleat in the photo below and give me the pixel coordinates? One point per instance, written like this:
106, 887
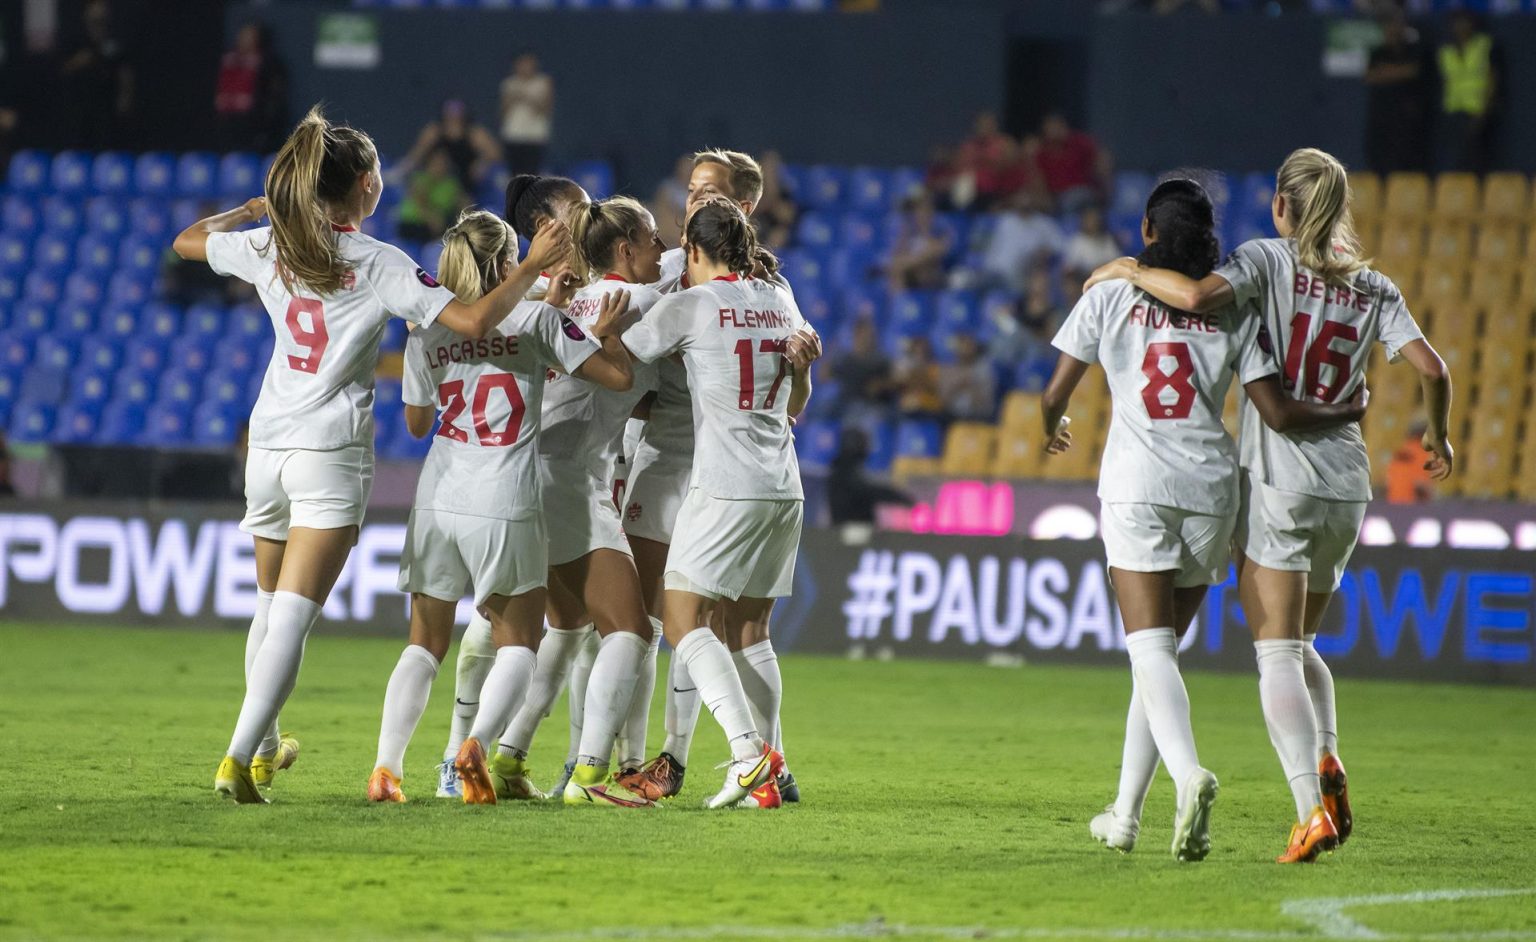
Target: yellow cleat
511, 779
234, 781
384, 786
264, 768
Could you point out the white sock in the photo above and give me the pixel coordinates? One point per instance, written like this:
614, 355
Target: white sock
1320, 689
631, 747
405, 699
610, 690
576, 691
556, 651
682, 714
1288, 714
1138, 761
709, 664
273, 671
1155, 667
253, 638
758, 666
476, 655
504, 691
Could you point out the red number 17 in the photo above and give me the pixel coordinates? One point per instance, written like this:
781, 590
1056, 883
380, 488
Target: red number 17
748, 385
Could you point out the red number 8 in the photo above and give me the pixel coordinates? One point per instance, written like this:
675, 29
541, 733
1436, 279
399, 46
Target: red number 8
1178, 381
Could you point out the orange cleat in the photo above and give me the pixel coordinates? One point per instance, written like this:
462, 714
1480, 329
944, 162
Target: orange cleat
474, 777
384, 786
1310, 839
1336, 795
766, 795
661, 778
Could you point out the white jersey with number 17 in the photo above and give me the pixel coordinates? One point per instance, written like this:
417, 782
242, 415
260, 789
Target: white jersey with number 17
318, 390
1168, 377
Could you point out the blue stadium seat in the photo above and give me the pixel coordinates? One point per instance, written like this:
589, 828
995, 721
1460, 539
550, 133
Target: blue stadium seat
29, 172
215, 424
71, 173
863, 301
792, 179
801, 267
149, 354
817, 307
19, 214
999, 306
130, 287
16, 350
95, 385
823, 187
74, 319
53, 253
62, 214
78, 423
150, 218
1252, 198
57, 353
121, 423
431, 255
882, 445
595, 176
44, 286
1130, 193
106, 215
1031, 374
224, 387
101, 353
180, 386
237, 355
32, 422
403, 446
160, 320
31, 318
850, 266
167, 425
8, 383
816, 443
816, 230
44, 384
197, 175
15, 251
240, 173
140, 253
867, 189
1239, 229
958, 311
96, 254
10, 285
112, 174
912, 313
249, 321
119, 323
825, 404
204, 321
186, 212
395, 333
904, 181
134, 385
919, 438
194, 353
860, 230
154, 174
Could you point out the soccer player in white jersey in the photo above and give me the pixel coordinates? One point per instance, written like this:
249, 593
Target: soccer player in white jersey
330, 292
531, 201
738, 530
592, 574
1168, 485
478, 520
1304, 495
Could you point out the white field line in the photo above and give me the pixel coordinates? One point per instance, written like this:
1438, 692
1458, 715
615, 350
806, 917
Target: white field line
1327, 916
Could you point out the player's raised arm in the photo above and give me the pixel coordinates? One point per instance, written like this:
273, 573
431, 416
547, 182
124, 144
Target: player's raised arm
611, 367
192, 242
1170, 287
550, 245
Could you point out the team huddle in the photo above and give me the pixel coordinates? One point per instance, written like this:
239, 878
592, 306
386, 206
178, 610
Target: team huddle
613, 463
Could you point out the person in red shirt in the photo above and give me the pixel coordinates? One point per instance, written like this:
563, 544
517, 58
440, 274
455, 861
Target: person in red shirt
249, 97
1072, 163
980, 164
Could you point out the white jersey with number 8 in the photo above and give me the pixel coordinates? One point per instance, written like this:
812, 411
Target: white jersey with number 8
1168, 377
1321, 336
318, 390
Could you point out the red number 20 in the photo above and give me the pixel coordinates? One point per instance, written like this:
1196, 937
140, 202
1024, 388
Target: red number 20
314, 337
1178, 381
451, 397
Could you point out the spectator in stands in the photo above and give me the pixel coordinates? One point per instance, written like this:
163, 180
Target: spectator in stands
252, 93
1090, 246
1022, 239
1073, 164
671, 197
864, 375
1407, 480
916, 261
968, 386
917, 380
1471, 81
1398, 100
851, 495
10, 120
940, 177
776, 212
527, 114
980, 164
7, 489
433, 200
1022, 339
469, 147
98, 83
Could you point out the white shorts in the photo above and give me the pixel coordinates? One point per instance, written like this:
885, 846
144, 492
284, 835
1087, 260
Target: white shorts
447, 554
1156, 538
735, 548
579, 511
655, 495
1298, 532
299, 487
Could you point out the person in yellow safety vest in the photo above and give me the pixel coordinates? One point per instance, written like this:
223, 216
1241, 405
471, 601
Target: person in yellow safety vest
1471, 70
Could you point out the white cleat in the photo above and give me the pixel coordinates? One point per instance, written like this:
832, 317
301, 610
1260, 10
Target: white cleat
1192, 821
448, 780
1113, 831
744, 775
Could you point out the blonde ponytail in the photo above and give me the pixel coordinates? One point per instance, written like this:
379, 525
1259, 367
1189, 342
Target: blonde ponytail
1316, 191
597, 227
313, 173
473, 252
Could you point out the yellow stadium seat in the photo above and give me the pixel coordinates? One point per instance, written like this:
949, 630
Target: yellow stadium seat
906, 467
968, 449
1018, 457
1401, 241
1492, 288
1369, 234
1457, 196
1443, 286
1498, 244
1507, 325
1407, 196
1021, 413
1525, 294
1365, 190
1449, 241
1506, 196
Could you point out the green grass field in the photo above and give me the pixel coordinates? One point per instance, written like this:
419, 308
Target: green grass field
944, 801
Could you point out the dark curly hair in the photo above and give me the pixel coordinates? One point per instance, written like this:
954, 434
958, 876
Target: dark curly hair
1181, 217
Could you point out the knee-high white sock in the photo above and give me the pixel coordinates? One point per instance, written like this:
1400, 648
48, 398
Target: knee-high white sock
610, 690
758, 666
505, 688
556, 651
709, 664
1138, 761
1288, 714
476, 655
273, 671
253, 639
405, 699
631, 747
576, 691
1320, 689
682, 713
1155, 666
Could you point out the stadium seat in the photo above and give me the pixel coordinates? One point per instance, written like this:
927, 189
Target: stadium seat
16, 350
215, 425
160, 320
166, 425
237, 355
204, 321
1498, 244
240, 173
224, 386
94, 386
44, 286
801, 267
101, 353
1457, 196
816, 230
28, 172
96, 254
112, 174
1253, 199
106, 215
823, 187
19, 215
1506, 196
816, 443
1494, 289
53, 253
150, 218
1444, 286
1365, 193
154, 174
595, 176
1129, 197
1403, 241
180, 386
140, 253
77, 423
57, 353
121, 423
851, 266
15, 251
921, 438
968, 449
32, 422
867, 189
903, 182
911, 313
134, 385
1407, 196
1018, 457
1021, 411
44, 384
249, 321
862, 231
74, 319
61, 214
817, 307
70, 173
130, 287
1449, 242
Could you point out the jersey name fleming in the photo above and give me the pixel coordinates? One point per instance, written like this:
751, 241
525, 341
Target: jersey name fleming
1334, 295
730, 317
469, 351
1157, 317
